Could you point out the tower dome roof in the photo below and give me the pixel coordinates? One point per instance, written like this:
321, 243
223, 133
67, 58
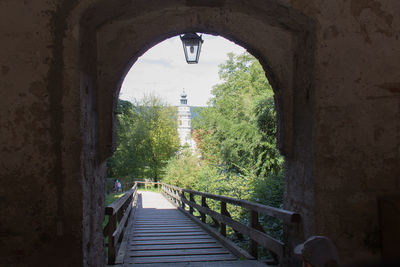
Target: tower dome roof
183, 94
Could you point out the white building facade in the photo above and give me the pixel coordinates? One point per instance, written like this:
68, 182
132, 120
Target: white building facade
184, 123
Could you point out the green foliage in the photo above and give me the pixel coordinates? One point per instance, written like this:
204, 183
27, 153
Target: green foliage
236, 135
238, 128
183, 170
146, 139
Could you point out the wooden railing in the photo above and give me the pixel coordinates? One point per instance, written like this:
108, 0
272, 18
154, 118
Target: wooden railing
146, 183
118, 214
254, 230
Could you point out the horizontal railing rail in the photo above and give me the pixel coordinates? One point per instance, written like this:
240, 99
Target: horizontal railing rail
118, 214
254, 230
146, 183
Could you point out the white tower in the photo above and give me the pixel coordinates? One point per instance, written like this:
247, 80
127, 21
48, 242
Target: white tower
184, 118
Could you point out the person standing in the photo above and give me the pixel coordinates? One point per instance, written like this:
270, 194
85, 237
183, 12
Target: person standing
115, 186
119, 186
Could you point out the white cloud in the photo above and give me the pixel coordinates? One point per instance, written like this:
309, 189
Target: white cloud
163, 71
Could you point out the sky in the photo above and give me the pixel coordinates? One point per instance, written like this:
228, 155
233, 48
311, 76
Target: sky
163, 71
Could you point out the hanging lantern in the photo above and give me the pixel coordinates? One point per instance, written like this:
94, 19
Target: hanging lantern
191, 46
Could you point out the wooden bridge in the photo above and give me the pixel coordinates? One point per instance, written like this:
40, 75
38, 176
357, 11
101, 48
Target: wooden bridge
153, 229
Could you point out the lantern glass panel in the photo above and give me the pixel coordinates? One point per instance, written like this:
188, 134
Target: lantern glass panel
192, 47
191, 52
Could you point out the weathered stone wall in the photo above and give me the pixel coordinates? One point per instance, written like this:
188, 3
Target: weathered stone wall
40, 192
334, 66
356, 119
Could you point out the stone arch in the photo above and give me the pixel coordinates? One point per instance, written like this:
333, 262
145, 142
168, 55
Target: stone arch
113, 34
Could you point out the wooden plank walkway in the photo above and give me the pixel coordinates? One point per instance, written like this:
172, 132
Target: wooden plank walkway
162, 235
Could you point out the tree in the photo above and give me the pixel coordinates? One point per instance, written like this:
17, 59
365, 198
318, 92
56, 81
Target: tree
238, 128
162, 140
236, 135
183, 170
127, 159
146, 138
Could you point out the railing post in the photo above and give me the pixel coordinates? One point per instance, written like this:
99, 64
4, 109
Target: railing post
191, 210
203, 204
253, 248
224, 211
158, 187
111, 247
183, 197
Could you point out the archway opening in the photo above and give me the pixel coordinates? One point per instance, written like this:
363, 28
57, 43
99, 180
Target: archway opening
283, 45
229, 149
